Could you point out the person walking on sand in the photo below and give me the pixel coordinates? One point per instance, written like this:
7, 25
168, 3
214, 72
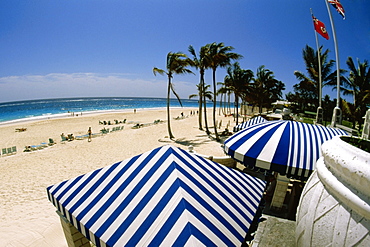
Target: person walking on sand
89, 133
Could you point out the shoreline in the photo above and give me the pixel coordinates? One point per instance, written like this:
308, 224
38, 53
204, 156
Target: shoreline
77, 114
28, 218
44, 108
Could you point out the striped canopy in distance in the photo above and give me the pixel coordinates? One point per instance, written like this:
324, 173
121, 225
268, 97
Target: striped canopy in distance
288, 147
249, 123
166, 197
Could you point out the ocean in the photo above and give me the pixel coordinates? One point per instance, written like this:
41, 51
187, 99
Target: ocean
54, 108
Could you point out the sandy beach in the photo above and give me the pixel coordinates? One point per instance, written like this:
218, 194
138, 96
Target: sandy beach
27, 217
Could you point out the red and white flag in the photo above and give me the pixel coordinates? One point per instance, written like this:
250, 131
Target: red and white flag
320, 27
338, 6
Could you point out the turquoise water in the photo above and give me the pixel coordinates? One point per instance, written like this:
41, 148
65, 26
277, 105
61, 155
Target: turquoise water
50, 108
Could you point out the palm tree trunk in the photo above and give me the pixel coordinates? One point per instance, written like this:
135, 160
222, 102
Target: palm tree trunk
214, 105
201, 90
220, 107
225, 106
237, 108
229, 106
205, 109
200, 112
168, 109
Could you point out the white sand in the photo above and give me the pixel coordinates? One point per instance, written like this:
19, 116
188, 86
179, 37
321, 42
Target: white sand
26, 215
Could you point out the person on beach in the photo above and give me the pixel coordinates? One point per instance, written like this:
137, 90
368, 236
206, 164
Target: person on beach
89, 133
226, 132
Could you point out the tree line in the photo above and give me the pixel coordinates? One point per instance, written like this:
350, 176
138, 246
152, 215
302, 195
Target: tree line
354, 82
262, 89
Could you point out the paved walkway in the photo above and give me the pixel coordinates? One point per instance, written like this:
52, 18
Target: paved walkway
274, 232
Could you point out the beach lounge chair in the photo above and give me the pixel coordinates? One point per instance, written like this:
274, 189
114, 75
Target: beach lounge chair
51, 142
9, 150
95, 135
64, 139
20, 129
14, 150
36, 147
70, 137
81, 137
137, 126
4, 152
104, 131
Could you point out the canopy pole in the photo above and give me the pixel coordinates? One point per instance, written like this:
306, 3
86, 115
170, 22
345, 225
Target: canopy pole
319, 113
337, 112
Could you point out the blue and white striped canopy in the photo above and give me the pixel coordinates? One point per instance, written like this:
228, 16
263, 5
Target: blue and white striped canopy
166, 197
249, 123
288, 147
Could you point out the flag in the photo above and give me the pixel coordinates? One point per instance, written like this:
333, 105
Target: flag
320, 27
338, 6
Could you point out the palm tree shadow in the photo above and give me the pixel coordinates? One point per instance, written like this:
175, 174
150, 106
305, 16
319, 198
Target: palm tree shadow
194, 143
187, 142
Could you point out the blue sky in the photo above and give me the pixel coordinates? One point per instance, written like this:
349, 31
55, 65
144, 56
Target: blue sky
55, 49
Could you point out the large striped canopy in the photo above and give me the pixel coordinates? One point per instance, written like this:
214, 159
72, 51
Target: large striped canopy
288, 147
249, 123
166, 197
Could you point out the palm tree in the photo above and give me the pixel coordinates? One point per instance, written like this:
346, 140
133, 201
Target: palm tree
224, 91
208, 94
238, 80
200, 63
221, 91
358, 85
328, 105
265, 89
219, 55
203, 94
311, 81
176, 64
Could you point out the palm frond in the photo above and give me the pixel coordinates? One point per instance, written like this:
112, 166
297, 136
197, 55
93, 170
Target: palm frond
173, 91
159, 71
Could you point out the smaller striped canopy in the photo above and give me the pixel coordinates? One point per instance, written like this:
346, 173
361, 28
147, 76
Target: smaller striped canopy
288, 147
249, 123
164, 197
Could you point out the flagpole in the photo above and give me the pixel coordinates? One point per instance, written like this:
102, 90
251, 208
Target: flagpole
337, 113
319, 112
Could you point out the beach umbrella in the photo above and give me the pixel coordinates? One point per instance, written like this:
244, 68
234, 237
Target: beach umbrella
166, 197
249, 123
288, 147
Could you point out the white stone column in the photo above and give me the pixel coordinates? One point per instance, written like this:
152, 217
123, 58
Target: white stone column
334, 209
